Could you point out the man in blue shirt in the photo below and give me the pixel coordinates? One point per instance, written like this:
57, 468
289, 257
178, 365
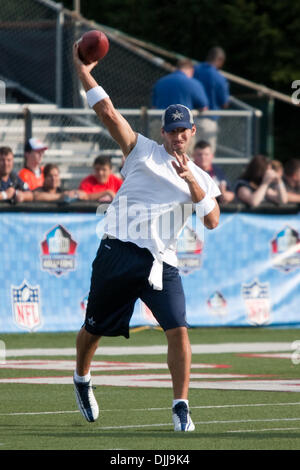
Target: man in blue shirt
217, 91
180, 87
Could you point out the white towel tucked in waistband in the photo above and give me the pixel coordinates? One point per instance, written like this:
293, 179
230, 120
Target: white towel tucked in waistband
156, 274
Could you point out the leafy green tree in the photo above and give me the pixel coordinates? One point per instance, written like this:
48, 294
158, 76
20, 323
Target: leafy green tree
261, 37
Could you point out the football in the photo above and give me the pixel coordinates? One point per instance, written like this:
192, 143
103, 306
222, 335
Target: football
92, 46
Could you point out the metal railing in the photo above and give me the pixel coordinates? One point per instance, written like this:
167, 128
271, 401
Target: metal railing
76, 136
60, 127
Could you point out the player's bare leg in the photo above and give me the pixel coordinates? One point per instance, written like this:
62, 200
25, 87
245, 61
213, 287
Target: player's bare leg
86, 345
179, 362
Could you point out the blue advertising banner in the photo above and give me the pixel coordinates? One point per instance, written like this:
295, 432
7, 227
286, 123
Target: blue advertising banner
245, 272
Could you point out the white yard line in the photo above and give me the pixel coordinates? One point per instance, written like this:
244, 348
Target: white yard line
31, 413
238, 421
164, 381
263, 430
151, 409
67, 364
221, 406
161, 349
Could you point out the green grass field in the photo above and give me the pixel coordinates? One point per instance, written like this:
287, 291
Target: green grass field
45, 416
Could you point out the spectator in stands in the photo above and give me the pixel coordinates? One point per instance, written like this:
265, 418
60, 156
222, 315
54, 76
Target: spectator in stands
203, 157
179, 87
217, 91
291, 179
277, 166
261, 183
51, 189
103, 185
12, 188
32, 173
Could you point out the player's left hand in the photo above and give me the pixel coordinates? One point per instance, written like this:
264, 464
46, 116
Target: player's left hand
182, 168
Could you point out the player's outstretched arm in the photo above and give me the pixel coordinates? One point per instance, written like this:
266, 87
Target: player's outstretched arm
117, 125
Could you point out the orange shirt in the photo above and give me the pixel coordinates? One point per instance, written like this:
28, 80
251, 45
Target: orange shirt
91, 185
29, 177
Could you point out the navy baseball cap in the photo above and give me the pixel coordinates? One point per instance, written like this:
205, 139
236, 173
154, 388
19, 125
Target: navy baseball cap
177, 115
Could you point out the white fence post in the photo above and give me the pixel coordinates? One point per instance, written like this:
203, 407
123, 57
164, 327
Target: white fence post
2, 92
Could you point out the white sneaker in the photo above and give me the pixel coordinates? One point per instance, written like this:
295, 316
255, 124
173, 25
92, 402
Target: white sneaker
181, 418
86, 400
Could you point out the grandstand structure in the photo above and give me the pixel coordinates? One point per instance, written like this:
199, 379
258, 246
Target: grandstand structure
44, 99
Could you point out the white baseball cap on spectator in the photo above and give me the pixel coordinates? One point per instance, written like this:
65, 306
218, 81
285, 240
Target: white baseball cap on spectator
35, 144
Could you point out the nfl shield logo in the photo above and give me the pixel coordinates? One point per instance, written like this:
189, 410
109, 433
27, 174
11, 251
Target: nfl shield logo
257, 302
26, 306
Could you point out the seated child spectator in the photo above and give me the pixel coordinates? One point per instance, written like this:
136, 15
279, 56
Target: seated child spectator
32, 173
103, 185
51, 190
260, 183
203, 157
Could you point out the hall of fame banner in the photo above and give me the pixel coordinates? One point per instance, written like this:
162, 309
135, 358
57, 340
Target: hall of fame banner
246, 272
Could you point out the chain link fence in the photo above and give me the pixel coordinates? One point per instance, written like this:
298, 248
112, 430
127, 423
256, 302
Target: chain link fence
36, 54
36, 38
28, 48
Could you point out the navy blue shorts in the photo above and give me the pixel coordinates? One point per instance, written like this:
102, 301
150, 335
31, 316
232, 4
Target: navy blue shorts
119, 277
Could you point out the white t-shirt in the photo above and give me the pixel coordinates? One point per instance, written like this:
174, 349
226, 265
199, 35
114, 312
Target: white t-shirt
153, 204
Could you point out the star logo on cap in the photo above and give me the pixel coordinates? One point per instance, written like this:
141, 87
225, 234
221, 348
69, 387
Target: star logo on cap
177, 115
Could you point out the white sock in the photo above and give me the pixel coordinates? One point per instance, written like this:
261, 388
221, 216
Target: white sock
82, 378
179, 400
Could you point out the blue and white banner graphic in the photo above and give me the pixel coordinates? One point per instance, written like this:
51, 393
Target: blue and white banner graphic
246, 272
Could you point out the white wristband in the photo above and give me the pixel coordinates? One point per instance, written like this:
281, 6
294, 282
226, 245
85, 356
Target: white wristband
205, 206
95, 94
4, 195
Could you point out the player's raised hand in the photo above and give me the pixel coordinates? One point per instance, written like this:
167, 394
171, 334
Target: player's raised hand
80, 66
182, 167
